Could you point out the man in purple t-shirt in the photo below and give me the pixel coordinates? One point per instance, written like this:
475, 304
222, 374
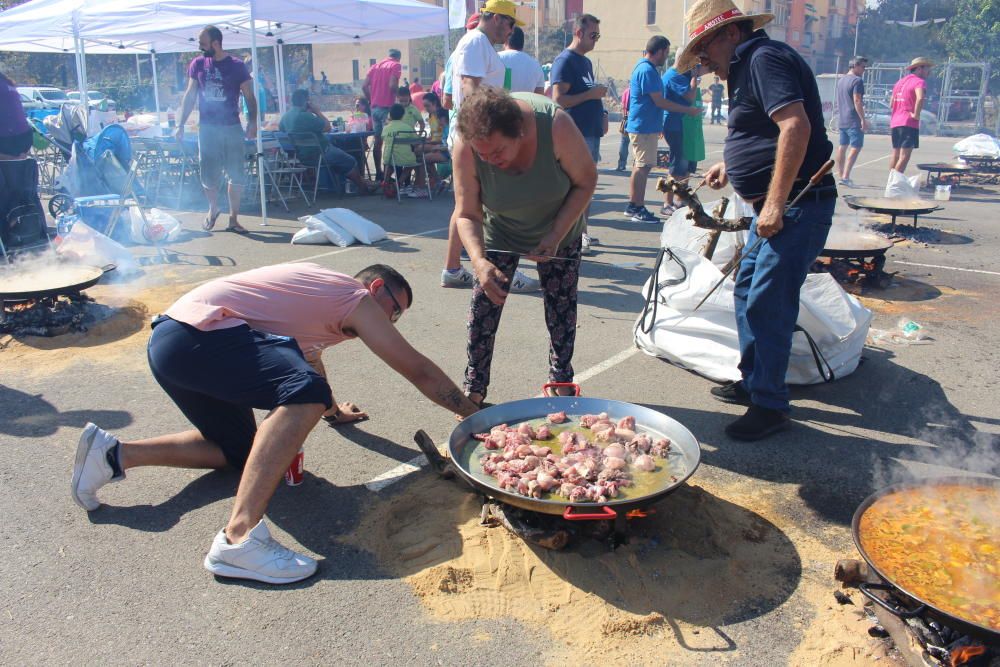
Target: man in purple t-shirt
15, 133
216, 80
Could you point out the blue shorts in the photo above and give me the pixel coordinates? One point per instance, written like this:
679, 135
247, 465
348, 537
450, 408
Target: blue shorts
379, 117
218, 377
679, 166
852, 136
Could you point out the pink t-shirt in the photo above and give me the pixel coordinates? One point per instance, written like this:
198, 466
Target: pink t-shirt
904, 101
302, 301
379, 77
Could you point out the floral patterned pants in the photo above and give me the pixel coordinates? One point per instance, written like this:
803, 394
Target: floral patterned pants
559, 281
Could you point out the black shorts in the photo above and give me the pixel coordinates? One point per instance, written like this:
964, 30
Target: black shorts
216, 378
905, 137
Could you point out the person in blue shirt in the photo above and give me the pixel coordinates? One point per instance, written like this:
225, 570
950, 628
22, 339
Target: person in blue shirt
645, 123
679, 88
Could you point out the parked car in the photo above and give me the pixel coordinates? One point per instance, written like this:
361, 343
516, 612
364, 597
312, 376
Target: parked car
30, 104
880, 112
49, 96
96, 98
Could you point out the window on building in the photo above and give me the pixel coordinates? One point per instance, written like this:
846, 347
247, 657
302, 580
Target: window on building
650, 12
371, 62
768, 6
780, 12
356, 70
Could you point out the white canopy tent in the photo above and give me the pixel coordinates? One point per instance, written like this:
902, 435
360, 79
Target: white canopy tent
145, 26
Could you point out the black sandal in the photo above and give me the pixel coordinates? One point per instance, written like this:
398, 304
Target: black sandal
237, 228
208, 224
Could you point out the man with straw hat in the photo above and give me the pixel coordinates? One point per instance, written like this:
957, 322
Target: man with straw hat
776, 143
908, 96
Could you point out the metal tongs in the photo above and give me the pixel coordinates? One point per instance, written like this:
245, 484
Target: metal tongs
760, 239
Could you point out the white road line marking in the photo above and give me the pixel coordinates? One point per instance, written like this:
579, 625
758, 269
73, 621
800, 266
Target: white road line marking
399, 472
878, 159
390, 477
605, 365
355, 247
948, 268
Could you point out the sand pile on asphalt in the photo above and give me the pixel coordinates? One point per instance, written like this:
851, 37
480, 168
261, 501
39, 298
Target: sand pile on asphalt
118, 339
699, 562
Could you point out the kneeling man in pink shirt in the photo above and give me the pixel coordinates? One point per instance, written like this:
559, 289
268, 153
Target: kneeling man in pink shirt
254, 340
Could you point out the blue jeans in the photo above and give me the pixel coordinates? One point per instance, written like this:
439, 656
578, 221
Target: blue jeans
678, 166
623, 151
767, 298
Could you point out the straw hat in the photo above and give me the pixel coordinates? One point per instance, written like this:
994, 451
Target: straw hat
505, 7
707, 16
919, 62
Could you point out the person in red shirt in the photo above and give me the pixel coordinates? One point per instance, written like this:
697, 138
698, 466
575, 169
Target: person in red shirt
380, 88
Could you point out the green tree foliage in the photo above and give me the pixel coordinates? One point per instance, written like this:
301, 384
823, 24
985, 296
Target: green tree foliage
973, 35
883, 42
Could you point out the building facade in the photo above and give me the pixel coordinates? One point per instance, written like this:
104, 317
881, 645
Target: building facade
821, 30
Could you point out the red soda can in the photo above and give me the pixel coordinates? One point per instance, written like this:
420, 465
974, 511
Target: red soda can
296, 471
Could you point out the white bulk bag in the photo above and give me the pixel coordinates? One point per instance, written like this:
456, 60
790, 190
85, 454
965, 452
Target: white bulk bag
834, 324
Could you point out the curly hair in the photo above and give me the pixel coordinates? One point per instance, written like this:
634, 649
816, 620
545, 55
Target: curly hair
489, 110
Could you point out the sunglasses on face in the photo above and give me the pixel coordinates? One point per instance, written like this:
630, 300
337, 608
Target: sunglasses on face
397, 310
595, 36
703, 49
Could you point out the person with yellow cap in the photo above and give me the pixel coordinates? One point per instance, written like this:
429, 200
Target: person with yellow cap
908, 96
476, 63
777, 141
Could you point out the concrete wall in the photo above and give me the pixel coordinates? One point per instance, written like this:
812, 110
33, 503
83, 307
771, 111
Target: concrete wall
337, 60
624, 32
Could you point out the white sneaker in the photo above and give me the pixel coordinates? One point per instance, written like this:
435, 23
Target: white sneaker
417, 193
260, 557
585, 243
460, 279
91, 469
522, 283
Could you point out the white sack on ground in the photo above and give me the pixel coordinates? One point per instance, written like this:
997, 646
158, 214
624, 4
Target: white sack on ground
705, 341
978, 145
901, 187
333, 232
360, 227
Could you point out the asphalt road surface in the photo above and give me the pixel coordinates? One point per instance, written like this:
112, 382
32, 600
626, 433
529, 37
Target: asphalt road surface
125, 584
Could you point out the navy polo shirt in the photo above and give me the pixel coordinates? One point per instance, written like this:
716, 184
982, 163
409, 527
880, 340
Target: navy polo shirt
765, 76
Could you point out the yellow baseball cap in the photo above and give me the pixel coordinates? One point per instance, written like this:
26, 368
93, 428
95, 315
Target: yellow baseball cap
505, 7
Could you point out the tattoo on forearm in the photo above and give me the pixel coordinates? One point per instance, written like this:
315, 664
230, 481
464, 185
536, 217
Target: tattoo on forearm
451, 397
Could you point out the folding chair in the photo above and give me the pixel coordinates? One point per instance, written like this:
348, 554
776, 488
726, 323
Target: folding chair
280, 171
415, 140
309, 153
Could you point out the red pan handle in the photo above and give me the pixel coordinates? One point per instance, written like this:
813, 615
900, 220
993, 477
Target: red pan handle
606, 513
553, 385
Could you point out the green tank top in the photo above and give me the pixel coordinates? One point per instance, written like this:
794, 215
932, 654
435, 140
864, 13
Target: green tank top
518, 209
